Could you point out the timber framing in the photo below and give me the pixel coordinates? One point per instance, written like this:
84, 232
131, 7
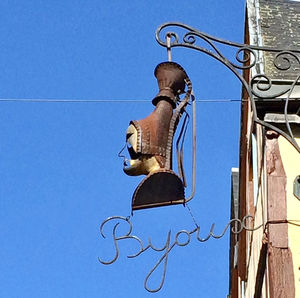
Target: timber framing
280, 262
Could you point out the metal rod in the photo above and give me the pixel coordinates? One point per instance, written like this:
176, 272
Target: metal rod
194, 149
168, 38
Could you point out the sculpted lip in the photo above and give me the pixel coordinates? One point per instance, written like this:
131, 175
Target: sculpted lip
129, 164
125, 162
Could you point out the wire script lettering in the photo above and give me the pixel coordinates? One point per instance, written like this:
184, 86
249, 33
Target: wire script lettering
237, 226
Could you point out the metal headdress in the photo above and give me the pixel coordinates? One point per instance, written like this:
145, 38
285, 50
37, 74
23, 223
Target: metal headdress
150, 141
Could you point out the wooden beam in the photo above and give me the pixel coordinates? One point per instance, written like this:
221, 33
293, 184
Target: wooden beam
261, 268
280, 262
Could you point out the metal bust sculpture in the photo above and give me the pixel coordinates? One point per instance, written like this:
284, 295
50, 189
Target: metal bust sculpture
149, 141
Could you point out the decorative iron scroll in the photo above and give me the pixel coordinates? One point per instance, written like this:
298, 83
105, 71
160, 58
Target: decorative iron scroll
237, 226
284, 59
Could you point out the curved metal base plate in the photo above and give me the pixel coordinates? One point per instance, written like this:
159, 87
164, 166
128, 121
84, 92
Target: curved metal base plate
161, 188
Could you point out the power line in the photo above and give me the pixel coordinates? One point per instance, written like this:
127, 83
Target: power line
62, 100
53, 100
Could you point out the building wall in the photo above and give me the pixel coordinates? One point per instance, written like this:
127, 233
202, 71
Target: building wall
282, 238
291, 161
269, 258
256, 277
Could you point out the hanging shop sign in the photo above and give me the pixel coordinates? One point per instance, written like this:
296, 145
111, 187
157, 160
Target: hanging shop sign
149, 141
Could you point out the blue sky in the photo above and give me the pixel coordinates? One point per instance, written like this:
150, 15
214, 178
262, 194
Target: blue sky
60, 174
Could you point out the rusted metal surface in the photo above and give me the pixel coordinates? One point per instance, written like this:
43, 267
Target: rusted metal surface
153, 132
151, 141
171, 82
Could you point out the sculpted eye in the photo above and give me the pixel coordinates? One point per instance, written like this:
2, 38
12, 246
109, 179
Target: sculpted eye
128, 135
130, 148
132, 153
131, 142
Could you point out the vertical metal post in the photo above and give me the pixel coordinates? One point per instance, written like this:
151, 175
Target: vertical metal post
194, 149
168, 38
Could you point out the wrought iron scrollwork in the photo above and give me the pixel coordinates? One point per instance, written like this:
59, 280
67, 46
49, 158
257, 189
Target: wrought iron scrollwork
181, 239
246, 58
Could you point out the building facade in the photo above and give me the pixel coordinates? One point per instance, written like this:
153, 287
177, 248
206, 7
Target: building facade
266, 262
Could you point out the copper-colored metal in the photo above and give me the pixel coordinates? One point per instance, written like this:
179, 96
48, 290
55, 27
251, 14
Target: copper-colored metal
153, 131
153, 137
171, 81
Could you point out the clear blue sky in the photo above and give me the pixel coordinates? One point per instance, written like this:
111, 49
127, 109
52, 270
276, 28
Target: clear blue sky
60, 174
